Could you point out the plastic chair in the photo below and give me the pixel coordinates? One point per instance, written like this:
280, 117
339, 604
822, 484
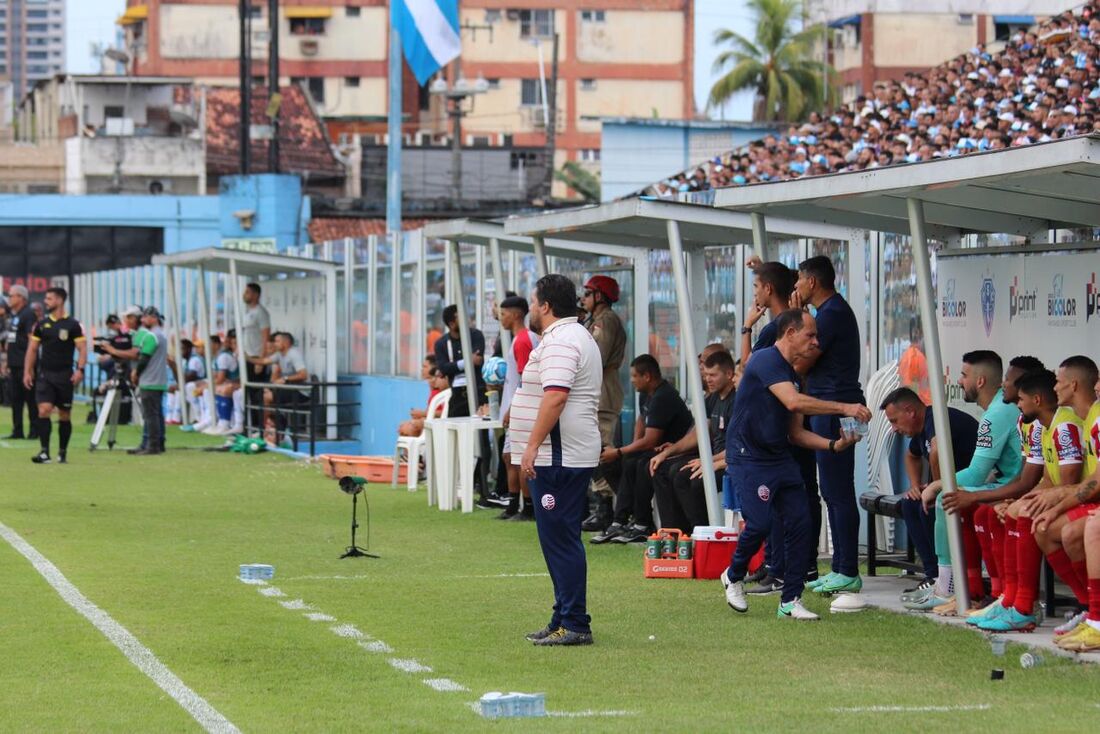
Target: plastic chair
414, 445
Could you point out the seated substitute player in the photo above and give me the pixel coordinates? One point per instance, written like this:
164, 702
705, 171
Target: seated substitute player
1063, 459
909, 416
1086, 636
227, 387
676, 469
996, 462
767, 419
988, 525
59, 336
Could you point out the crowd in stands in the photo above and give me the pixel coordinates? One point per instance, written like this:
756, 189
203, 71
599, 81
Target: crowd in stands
1043, 85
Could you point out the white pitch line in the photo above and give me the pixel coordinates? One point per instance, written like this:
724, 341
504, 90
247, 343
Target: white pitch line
254, 582
910, 709
326, 578
319, 617
444, 685
508, 576
142, 657
375, 646
589, 713
271, 591
347, 630
295, 605
406, 665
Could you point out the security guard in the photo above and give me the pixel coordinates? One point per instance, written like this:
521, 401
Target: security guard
607, 329
59, 336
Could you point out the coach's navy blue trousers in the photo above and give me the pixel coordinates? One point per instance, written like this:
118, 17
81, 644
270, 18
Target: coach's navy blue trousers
837, 475
560, 498
771, 493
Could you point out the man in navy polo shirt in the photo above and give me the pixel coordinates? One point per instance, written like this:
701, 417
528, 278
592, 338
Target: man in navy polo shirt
834, 375
767, 420
910, 417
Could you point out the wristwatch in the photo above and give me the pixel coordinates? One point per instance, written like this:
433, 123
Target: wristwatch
746, 330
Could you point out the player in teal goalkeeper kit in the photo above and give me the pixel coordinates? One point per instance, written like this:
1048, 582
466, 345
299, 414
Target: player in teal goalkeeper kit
997, 460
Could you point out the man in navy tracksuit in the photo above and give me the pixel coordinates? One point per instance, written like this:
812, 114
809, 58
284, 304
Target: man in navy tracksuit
767, 420
834, 376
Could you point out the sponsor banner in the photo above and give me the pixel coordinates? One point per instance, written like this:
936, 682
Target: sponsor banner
1042, 304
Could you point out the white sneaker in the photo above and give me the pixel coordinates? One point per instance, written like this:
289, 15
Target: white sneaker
795, 610
236, 428
735, 594
1070, 624
202, 426
221, 429
846, 603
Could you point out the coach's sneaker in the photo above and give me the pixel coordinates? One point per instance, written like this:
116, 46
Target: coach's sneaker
758, 575
562, 637
768, 585
1010, 620
633, 534
977, 615
840, 583
42, 457
795, 610
735, 593
917, 591
848, 603
61, 458
1070, 624
820, 581
612, 531
540, 635
1087, 640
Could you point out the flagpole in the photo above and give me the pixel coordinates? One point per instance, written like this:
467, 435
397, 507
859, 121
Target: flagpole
393, 148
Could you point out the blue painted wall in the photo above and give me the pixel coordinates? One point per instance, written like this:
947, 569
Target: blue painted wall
189, 222
384, 403
280, 210
635, 153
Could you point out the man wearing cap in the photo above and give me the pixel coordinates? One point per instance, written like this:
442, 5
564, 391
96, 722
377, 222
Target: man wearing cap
19, 338
607, 329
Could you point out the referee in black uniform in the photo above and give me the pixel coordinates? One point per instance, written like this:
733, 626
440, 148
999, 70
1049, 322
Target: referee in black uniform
59, 336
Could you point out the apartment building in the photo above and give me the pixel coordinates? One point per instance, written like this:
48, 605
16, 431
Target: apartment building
629, 58
880, 40
32, 42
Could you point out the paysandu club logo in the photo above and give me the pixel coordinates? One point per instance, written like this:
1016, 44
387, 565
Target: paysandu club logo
989, 303
1092, 298
1061, 309
1023, 303
952, 309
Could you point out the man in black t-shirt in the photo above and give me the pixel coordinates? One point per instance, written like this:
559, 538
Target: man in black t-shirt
19, 336
60, 337
662, 418
677, 470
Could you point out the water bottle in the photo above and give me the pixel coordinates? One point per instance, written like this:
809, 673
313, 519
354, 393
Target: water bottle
494, 404
1031, 660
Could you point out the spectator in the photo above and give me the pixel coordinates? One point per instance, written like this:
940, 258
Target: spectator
414, 426
512, 314
662, 418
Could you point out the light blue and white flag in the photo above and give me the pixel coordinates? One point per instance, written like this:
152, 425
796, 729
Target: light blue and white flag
429, 34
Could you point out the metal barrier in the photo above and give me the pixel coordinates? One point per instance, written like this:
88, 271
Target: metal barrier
308, 400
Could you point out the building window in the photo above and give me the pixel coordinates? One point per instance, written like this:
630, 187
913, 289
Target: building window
36, 27
37, 13
37, 55
256, 11
966, 19
112, 111
536, 23
590, 155
493, 83
352, 11
492, 16
593, 16
307, 26
530, 93
351, 81
588, 85
317, 89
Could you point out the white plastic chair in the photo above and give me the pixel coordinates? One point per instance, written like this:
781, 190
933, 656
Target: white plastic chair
880, 443
415, 445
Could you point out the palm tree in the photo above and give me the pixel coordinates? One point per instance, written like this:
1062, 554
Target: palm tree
777, 65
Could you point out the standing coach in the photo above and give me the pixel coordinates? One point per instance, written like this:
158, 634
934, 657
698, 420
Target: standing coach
834, 376
554, 416
19, 339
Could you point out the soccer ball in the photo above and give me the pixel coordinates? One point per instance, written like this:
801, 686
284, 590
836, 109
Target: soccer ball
494, 370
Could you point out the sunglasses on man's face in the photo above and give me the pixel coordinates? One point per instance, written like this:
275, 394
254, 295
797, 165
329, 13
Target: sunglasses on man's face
587, 294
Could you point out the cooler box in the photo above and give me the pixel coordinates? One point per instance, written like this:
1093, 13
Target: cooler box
713, 552
377, 469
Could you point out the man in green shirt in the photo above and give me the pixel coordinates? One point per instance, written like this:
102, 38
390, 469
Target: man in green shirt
150, 375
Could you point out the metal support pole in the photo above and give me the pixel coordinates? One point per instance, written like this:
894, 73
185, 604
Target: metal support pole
393, 128
204, 326
244, 10
498, 280
927, 299
330, 355
541, 266
695, 388
464, 337
174, 326
233, 294
759, 235
273, 82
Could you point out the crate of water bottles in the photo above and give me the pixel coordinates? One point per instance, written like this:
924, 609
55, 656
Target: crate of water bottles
668, 555
257, 572
497, 705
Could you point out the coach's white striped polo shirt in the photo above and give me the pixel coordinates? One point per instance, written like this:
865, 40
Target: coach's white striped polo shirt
567, 359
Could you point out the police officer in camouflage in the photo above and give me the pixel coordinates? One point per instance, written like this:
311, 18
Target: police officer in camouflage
600, 292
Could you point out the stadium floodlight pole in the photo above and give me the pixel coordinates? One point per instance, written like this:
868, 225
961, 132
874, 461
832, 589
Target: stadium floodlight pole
927, 297
695, 388
498, 279
175, 323
208, 357
393, 126
541, 266
464, 337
